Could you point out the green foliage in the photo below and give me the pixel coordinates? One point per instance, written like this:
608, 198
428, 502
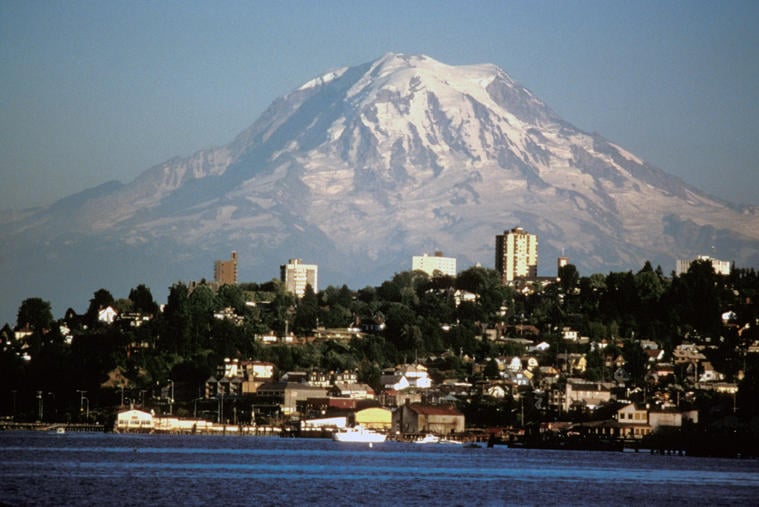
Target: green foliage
100, 299
35, 313
142, 300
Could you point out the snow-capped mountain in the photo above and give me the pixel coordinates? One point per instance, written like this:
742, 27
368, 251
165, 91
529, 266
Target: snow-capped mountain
361, 168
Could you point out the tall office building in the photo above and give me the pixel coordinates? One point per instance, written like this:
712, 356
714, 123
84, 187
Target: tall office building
297, 276
516, 255
225, 272
431, 263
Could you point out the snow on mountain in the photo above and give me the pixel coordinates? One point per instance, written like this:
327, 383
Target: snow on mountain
361, 168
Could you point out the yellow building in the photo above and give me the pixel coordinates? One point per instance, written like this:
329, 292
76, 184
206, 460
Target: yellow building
375, 418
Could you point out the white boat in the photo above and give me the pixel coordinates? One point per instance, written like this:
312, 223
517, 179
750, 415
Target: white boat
429, 438
358, 434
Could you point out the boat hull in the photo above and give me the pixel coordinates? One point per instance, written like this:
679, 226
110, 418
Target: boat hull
358, 435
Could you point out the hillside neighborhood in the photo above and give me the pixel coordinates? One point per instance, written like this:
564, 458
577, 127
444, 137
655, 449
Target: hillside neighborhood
468, 355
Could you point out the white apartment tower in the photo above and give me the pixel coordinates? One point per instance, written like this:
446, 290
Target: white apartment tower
720, 267
516, 255
431, 263
297, 276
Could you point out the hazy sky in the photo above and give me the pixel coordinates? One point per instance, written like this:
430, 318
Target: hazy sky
92, 91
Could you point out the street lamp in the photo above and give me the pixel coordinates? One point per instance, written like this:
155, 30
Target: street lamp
82, 399
39, 405
171, 398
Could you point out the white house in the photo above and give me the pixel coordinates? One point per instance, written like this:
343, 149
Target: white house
107, 315
405, 376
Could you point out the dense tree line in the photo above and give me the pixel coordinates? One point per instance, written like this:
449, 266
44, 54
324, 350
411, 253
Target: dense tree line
411, 316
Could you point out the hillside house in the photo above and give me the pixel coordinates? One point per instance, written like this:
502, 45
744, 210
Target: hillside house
406, 376
637, 421
107, 315
633, 421
356, 391
237, 378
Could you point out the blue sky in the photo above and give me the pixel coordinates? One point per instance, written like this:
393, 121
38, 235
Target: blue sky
92, 91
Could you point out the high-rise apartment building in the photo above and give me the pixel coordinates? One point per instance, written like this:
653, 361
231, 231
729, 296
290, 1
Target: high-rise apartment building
516, 255
431, 263
720, 267
225, 272
297, 276
560, 263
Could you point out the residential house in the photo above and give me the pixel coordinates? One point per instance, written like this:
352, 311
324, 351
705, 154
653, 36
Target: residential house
406, 376
633, 421
515, 365
107, 315
637, 421
498, 391
687, 353
229, 315
395, 398
356, 391
709, 374
239, 377
570, 334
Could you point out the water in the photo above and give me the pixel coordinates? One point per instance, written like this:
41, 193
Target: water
108, 469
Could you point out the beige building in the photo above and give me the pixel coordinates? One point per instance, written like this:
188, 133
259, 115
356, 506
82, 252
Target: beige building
516, 255
432, 263
582, 393
225, 272
411, 418
297, 276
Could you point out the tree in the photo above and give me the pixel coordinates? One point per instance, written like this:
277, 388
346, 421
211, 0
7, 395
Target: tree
100, 299
306, 312
142, 300
175, 328
34, 313
201, 304
491, 369
702, 298
569, 278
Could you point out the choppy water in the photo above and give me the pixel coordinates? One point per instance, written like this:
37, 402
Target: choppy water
108, 469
